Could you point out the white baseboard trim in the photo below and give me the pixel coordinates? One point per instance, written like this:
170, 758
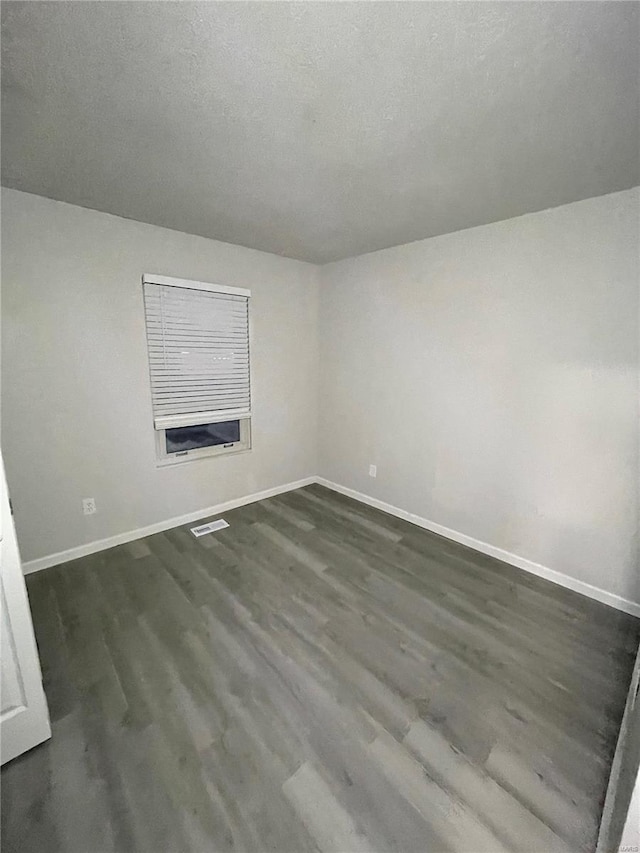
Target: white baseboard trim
159, 527
567, 581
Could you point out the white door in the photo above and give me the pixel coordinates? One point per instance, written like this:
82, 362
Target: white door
24, 717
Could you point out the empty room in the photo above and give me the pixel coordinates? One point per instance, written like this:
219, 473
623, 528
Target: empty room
320, 427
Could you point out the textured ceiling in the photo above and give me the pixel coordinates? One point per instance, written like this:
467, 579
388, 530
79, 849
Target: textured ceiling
320, 130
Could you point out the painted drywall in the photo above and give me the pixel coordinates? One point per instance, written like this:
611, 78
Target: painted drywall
76, 404
320, 130
492, 376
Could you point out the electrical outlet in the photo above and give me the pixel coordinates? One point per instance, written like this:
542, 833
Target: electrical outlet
373, 470
89, 506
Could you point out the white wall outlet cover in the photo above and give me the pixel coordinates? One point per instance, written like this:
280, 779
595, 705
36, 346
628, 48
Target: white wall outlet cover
373, 470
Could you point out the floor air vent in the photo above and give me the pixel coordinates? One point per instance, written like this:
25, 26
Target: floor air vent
211, 527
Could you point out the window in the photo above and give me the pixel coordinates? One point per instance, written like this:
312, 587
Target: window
198, 343
180, 443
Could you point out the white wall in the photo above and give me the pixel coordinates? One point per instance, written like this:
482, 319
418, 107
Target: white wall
76, 404
492, 376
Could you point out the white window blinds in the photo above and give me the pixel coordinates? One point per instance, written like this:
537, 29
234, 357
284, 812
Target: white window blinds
198, 342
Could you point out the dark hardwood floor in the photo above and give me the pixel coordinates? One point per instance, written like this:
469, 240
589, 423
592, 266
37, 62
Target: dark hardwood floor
318, 676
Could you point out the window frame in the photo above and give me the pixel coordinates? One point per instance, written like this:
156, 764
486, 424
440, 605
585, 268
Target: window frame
163, 458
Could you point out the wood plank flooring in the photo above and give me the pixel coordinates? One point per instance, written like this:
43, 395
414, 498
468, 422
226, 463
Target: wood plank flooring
317, 677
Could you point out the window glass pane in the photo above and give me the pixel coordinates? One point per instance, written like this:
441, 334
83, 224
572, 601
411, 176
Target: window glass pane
203, 435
